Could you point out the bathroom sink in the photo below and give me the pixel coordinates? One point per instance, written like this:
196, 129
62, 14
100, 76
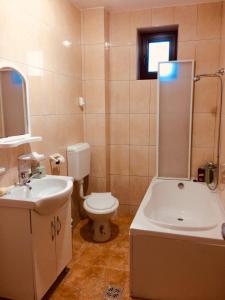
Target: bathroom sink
47, 193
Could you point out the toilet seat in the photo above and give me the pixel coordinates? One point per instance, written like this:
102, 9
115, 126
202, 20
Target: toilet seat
101, 203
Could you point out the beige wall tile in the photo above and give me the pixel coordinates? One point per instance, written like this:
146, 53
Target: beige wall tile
94, 94
140, 96
138, 188
98, 161
70, 129
139, 19
139, 160
95, 129
206, 95
207, 56
186, 17
119, 129
209, 20
200, 157
222, 157
222, 53
42, 99
119, 28
153, 99
54, 84
152, 138
133, 63
93, 26
39, 125
223, 20
119, 97
96, 185
223, 102
67, 89
152, 161
139, 129
119, 63
119, 186
94, 59
203, 130
119, 160
186, 50
162, 16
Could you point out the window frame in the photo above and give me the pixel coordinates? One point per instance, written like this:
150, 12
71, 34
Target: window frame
146, 37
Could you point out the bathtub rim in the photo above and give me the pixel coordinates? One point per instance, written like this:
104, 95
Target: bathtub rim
141, 225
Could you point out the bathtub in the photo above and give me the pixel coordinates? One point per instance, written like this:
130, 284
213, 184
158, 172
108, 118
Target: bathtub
177, 251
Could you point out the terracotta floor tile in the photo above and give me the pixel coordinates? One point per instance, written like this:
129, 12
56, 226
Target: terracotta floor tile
120, 261
96, 265
116, 277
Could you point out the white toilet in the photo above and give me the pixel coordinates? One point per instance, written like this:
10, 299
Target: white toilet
100, 207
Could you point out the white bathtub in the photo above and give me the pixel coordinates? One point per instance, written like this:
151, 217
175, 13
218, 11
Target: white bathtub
177, 250
190, 207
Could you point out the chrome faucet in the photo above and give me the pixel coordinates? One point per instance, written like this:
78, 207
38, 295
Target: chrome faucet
25, 167
26, 178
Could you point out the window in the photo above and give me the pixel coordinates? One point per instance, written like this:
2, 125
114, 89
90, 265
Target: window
155, 47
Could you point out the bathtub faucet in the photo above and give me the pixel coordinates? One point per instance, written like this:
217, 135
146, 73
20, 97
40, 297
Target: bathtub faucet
211, 175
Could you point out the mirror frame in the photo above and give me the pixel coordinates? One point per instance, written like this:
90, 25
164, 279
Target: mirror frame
22, 73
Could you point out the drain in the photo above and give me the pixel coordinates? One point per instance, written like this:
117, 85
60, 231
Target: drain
113, 292
180, 219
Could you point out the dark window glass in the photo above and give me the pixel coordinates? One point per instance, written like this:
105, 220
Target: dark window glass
153, 48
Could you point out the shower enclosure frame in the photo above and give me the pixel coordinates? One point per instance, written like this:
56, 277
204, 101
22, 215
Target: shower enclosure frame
190, 120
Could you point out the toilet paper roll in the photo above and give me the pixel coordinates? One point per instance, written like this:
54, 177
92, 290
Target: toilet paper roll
57, 158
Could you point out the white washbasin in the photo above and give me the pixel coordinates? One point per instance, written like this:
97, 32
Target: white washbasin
47, 193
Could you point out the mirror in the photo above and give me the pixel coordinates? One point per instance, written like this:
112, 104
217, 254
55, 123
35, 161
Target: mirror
13, 103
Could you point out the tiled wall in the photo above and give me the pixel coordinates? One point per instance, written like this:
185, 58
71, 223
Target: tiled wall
32, 38
95, 91
32, 33
133, 102
222, 156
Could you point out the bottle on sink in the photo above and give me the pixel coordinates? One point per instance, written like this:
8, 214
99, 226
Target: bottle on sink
201, 174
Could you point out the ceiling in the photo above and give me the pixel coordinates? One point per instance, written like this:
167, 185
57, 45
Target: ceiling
115, 5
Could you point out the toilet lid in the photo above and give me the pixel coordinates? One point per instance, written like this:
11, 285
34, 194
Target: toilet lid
100, 202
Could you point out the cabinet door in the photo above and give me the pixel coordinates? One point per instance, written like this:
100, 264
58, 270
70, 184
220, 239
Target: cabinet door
16, 272
44, 235
63, 236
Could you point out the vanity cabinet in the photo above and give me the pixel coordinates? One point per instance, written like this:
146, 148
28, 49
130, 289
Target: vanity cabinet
34, 249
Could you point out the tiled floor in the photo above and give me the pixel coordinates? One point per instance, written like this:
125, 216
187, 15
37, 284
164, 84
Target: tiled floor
96, 265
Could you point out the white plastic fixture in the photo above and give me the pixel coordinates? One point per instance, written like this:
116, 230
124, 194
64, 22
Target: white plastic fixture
2, 171
47, 194
78, 156
81, 102
14, 141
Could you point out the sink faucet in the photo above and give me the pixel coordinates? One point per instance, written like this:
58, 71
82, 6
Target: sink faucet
25, 167
26, 178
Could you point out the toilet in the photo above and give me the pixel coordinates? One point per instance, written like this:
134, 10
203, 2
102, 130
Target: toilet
100, 207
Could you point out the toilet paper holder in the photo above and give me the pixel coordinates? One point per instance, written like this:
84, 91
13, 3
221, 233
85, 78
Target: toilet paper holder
57, 159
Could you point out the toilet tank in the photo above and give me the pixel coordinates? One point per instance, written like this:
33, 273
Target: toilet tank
78, 156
